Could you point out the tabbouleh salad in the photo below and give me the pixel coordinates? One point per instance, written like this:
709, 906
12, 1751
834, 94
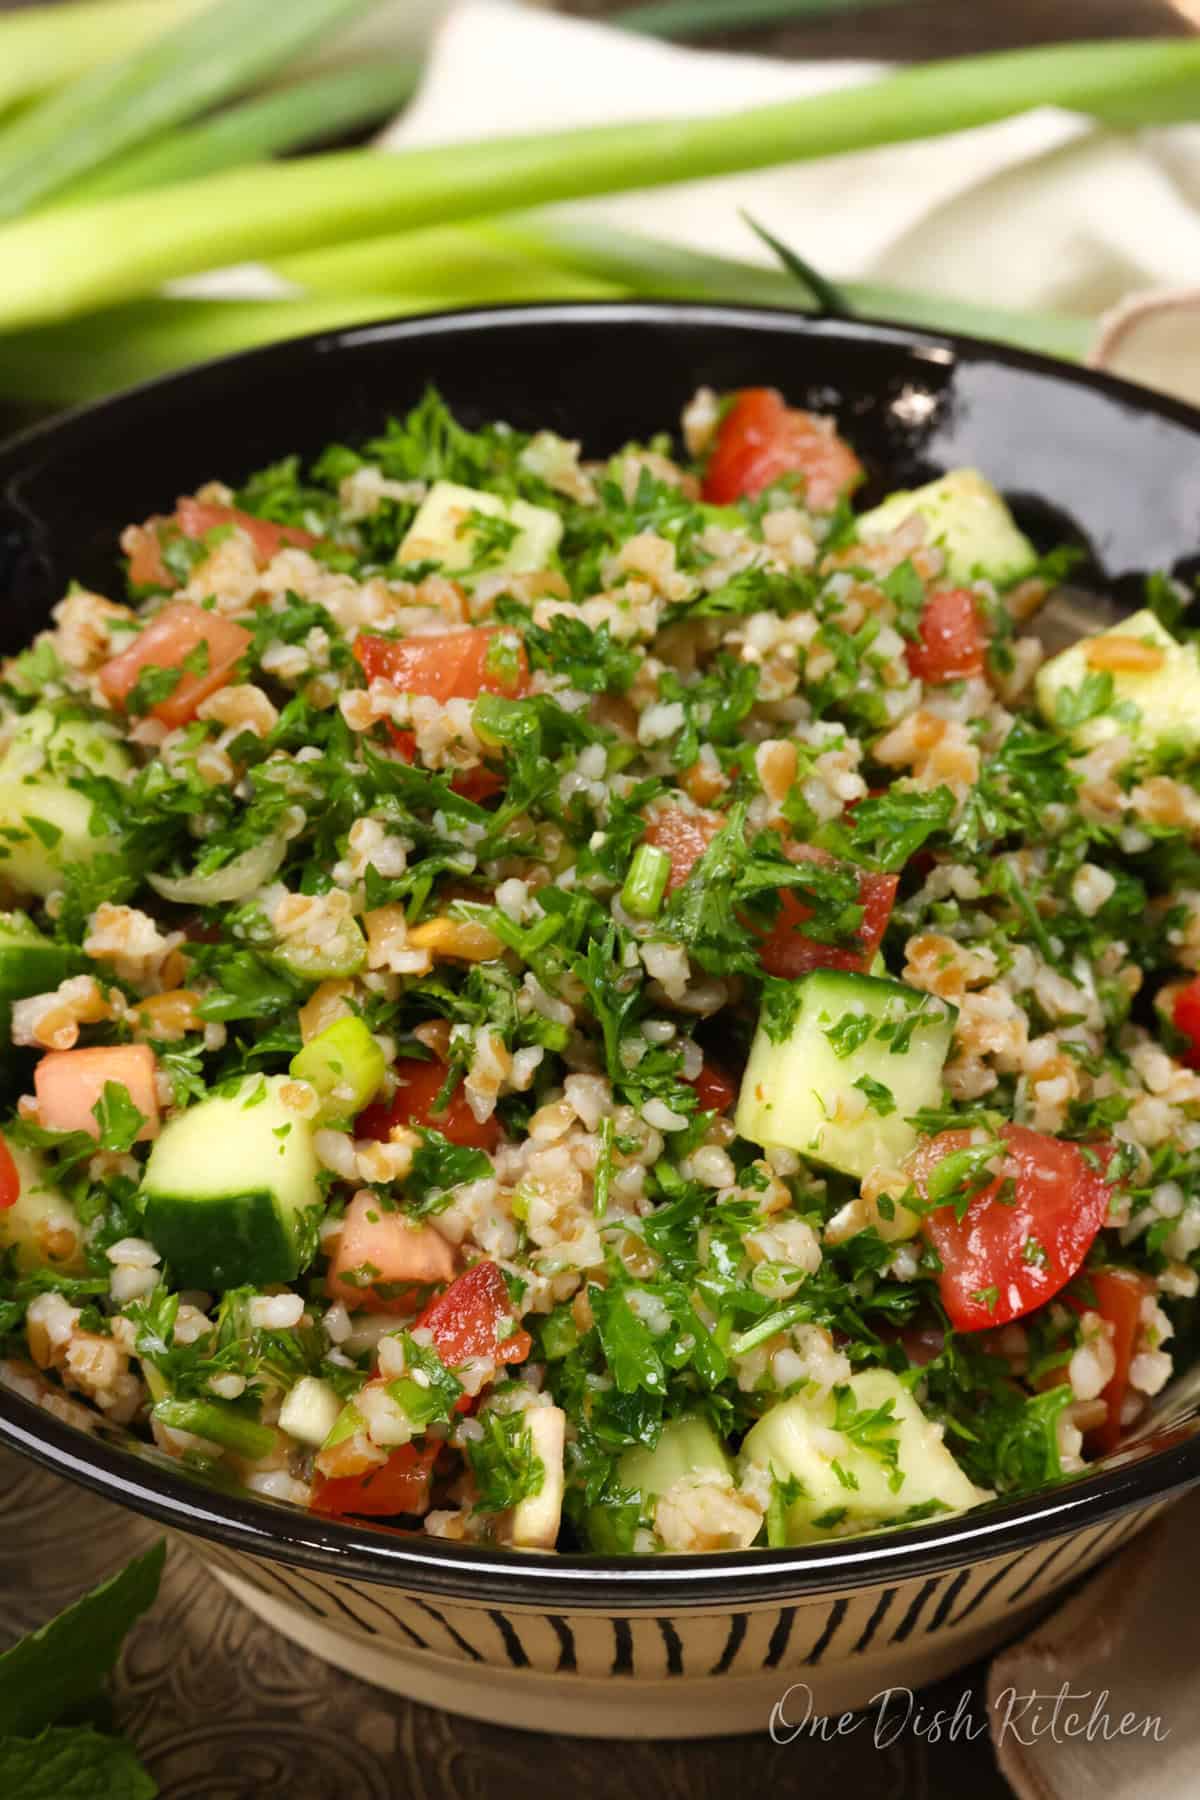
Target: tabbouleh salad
619, 1006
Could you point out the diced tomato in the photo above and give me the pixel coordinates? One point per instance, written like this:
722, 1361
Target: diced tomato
69, 1083
1117, 1295
197, 517
146, 566
475, 1317
166, 643
715, 1090
478, 784
10, 1180
1024, 1235
400, 1485
449, 665
761, 439
788, 953
418, 1085
685, 836
951, 641
378, 1251
1185, 1016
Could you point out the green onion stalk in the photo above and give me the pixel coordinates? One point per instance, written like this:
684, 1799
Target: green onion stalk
482, 258
312, 111
84, 359
219, 52
43, 48
696, 18
69, 261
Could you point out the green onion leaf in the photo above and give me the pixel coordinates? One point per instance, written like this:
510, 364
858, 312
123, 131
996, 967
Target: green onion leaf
210, 1419
69, 261
224, 50
308, 112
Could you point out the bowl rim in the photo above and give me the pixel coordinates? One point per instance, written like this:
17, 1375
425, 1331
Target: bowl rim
1135, 1478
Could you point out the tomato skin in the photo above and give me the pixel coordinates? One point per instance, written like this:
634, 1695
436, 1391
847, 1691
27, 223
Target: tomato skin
171, 636
1119, 1294
715, 1090
951, 642
1185, 1016
466, 1319
788, 953
197, 517
419, 1084
446, 665
10, 1180
1059, 1201
449, 665
400, 1485
685, 836
761, 439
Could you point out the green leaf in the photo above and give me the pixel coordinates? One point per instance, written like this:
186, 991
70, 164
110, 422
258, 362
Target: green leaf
629, 1346
1075, 706
437, 1166
65, 1662
505, 1466
829, 298
118, 1118
71, 1763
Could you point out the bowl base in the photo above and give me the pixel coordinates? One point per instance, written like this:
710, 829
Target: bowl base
619, 1707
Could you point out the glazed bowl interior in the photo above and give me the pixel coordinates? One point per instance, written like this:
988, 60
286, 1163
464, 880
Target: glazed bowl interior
1083, 460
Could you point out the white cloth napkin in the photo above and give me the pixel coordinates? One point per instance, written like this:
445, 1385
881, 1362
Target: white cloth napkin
1044, 211
1101, 1699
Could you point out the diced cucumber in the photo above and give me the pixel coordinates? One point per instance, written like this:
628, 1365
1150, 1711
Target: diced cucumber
231, 1192
344, 954
29, 964
45, 744
44, 822
1157, 707
685, 1446
344, 1064
42, 1226
536, 1519
310, 1411
441, 531
862, 1056
868, 1472
967, 518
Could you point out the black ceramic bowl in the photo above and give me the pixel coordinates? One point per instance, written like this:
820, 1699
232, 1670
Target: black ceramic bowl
696, 1644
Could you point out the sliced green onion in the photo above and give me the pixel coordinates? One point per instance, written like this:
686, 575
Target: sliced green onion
767, 1328
224, 50
693, 18
220, 1424
310, 112
71, 260
43, 47
646, 882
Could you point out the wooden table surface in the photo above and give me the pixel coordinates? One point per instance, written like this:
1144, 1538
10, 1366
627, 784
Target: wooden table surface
220, 1706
